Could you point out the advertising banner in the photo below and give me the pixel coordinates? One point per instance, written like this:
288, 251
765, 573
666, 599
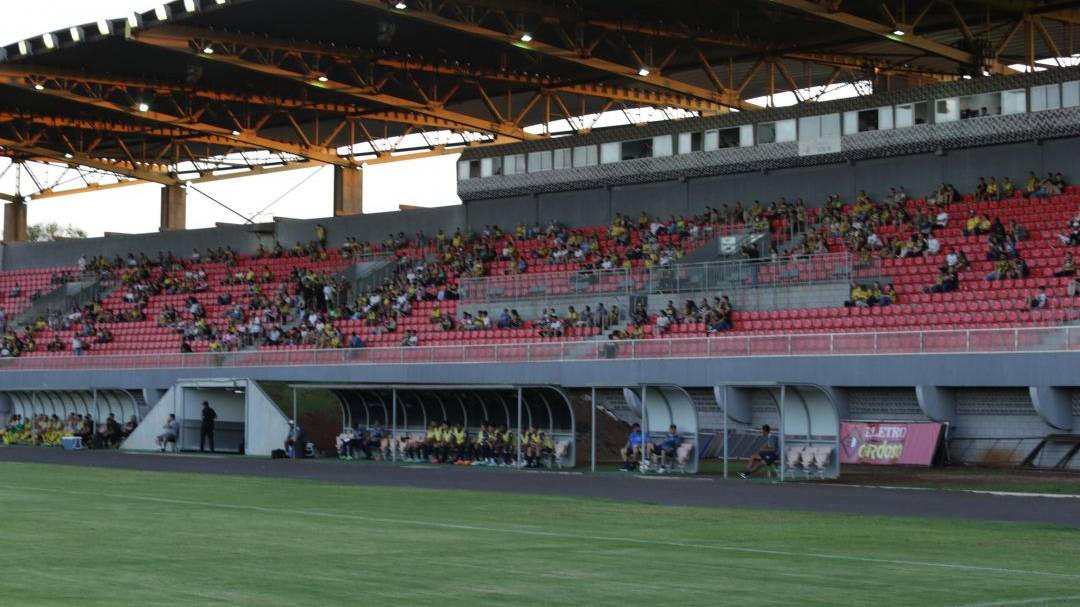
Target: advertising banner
889, 443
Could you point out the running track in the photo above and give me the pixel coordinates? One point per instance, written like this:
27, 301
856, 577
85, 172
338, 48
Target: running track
686, 491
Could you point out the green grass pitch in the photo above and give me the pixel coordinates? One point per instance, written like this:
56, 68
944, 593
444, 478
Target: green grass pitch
80, 536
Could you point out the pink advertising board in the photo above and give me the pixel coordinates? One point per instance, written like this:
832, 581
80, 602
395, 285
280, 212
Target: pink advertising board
889, 443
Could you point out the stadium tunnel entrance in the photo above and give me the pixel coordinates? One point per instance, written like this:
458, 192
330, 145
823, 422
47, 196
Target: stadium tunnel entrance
408, 410
248, 421
805, 416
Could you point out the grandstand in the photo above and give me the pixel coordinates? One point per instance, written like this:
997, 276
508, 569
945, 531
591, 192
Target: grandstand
658, 264
701, 242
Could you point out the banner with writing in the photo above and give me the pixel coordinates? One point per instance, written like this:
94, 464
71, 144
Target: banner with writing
889, 443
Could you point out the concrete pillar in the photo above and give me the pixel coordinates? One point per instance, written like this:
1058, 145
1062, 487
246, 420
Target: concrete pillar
348, 191
15, 221
173, 208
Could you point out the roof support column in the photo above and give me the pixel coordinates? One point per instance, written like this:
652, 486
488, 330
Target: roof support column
15, 221
348, 191
173, 208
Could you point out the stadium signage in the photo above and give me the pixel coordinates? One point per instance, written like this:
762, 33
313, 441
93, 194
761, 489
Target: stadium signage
889, 443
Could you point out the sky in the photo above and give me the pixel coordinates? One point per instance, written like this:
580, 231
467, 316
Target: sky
297, 194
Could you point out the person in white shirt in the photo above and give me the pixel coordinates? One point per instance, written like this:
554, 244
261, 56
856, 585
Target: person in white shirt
82, 263
933, 246
942, 219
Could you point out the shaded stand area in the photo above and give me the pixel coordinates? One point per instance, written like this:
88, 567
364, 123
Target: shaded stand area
408, 411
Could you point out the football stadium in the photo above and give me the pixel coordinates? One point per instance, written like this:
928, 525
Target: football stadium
721, 302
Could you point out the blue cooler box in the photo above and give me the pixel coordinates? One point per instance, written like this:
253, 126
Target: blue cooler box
71, 443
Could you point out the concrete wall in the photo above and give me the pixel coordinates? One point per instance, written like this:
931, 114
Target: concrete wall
66, 252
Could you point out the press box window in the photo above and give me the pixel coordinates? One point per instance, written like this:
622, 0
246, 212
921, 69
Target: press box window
641, 148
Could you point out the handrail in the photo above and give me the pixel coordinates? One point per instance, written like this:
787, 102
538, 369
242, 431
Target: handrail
1026, 339
709, 276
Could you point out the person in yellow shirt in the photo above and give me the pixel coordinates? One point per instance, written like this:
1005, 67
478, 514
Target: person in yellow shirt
428, 447
505, 447
483, 448
460, 443
546, 445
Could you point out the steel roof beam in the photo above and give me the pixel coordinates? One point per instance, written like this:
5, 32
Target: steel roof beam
910, 39
192, 124
362, 92
726, 97
78, 158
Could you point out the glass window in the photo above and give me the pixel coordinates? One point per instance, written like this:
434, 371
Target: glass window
728, 138
766, 133
809, 127
691, 142
905, 115
1070, 94
746, 135
978, 106
490, 167
922, 113
712, 140
585, 156
639, 148
851, 123
785, 130
661, 146
539, 161
562, 159
868, 120
609, 152
514, 165
885, 118
1014, 102
946, 110
1047, 97
463, 170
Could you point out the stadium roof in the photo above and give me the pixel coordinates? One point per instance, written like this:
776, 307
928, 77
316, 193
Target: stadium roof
208, 89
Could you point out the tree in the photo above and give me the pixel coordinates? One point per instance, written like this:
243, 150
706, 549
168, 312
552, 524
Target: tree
48, 232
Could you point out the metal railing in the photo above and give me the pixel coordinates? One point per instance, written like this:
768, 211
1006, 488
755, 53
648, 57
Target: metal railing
1030, 339
680, 278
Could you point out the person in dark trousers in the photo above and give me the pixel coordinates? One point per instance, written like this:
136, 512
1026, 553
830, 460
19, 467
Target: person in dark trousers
206, 429
767, 455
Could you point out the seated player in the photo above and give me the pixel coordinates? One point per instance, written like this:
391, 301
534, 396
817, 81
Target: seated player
443, 443
378, 442
664, 452
530, 447
767, 455
168, 434
459, 443
547, 447
506, 449
483, 446
634, 451
425, 447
